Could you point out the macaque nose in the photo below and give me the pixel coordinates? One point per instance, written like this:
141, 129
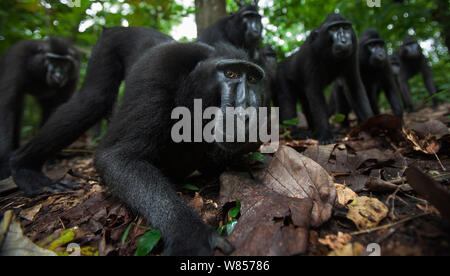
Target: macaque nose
242, 95
381, 55
255, 29
58, 77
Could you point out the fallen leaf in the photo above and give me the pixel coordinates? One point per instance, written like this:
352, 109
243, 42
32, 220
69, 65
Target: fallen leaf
30, 213
431, 190
336, 242
344, 194
428, 145
378, 185
197, 203
14, 243
294, 175
431, 127
351, 249
270, 224
340, 159
366, 212
384, 124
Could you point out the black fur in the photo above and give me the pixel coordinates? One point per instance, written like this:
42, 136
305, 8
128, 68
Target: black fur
232, 29
412, 64
376, 75
268, 59
112, 58
307, 73
138, 157
25, 69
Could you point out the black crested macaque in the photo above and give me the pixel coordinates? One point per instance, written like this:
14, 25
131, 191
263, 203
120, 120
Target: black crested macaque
242, 29
268, 60
413, 62
138, 157
394, 60
328, 54
112, 57
376, 75
45, 69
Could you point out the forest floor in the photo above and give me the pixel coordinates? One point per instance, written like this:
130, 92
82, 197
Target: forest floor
384, 189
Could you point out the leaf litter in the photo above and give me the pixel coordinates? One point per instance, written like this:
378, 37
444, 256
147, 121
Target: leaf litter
386, 182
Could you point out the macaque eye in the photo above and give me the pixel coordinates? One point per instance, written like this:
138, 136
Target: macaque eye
231, 75
252, 79
334, 28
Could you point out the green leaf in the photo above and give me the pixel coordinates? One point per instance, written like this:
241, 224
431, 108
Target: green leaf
291, 122
125, 234
234, 212
257, 156
230, 226
287, 134
147, 242
339, 118
220, 229
191, 187
436, 95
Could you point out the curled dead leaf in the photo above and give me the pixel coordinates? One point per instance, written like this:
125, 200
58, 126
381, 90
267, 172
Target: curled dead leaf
428, 145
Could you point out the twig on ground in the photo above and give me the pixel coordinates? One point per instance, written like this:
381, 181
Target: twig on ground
389, 225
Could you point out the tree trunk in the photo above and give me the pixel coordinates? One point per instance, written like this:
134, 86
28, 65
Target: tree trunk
208, 12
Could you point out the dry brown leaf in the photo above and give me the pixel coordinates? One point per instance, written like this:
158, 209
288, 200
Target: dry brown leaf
431, 127
428, 145
294, 175
345, 195
431, 190
270, 224
197, 203
30, 213
351, 249
376, 184
429, 208
336, 242
366, 212
339, 159
14, 243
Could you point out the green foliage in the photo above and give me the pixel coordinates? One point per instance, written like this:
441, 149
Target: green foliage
338, 118
257, 156
126, 233
233, 215
291, 122
191, 187
147, 242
